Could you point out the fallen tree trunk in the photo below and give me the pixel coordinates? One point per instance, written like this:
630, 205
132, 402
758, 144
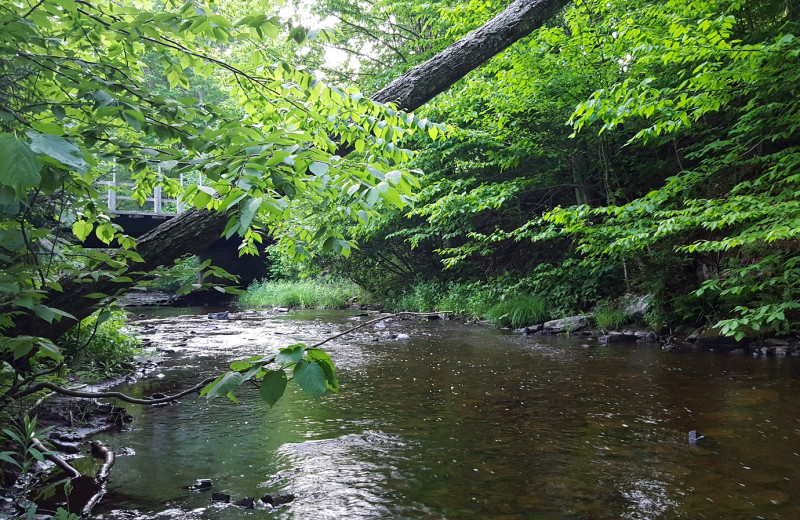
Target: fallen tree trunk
193, 231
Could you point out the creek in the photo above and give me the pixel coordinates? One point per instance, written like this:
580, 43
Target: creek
459, 421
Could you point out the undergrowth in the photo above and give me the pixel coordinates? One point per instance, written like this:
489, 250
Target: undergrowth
519, 311
305, 294
102, 345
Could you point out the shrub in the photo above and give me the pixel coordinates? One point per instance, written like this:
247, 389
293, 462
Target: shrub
172, 279
102, 344
518, 311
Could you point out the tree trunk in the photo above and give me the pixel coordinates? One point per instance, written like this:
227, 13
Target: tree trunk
193, 231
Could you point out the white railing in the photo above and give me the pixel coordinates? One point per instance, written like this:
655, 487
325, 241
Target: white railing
157, 199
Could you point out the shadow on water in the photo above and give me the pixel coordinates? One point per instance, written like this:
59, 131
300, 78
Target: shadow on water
460, 421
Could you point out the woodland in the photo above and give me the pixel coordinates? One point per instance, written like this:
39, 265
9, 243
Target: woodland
570, 152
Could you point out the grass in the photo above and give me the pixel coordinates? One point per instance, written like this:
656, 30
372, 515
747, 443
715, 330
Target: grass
518, 311
304, 294
610, 317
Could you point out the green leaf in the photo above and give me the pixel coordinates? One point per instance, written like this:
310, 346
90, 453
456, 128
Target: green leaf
18, 166
319, 168
81, 229
225, 386
249, 213
311, 378
59, 149
273, 386
290, 354
240, 366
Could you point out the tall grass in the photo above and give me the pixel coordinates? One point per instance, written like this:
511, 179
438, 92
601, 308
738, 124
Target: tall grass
519, 311
609, 316
304, 294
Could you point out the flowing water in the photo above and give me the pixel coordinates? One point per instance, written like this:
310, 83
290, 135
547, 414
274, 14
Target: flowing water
461, 421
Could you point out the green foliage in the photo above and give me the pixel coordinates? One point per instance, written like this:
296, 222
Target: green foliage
24, 455
311, 368
153, 92
609, 316
422, 296
101, 345
519, 311
182, 274
311, 293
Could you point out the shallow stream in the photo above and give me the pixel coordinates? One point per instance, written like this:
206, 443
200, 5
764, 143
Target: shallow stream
461, 421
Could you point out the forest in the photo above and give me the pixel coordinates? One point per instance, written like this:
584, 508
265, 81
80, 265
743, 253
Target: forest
512, 161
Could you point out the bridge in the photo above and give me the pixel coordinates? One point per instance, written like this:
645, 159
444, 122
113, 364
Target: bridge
138, 219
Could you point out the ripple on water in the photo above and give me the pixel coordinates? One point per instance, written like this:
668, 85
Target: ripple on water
350, 474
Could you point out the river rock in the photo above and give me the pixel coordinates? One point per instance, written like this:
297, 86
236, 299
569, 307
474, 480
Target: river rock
636, 305
245, 503
276, 499
615, 337
201, 484
570, 324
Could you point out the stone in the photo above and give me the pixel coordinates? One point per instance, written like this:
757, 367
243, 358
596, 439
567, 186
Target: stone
570, 324
615, 337
635, 305
201, 484
275, 499
246, 503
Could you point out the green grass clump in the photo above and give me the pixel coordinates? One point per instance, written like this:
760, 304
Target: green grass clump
518, 311
608, 316
304, 294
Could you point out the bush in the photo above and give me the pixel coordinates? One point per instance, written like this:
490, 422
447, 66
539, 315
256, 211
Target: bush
518, 311
422, 296
304, 294
101, 345
182, 273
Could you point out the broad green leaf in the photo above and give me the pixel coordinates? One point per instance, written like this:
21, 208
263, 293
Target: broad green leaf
319, 168
311, 378
81, 229
290, 354
226, 385
272, 386
249, 213
18, 166
59, 149
239, 366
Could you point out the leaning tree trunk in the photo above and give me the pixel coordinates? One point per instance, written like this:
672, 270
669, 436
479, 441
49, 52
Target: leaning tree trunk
193, 231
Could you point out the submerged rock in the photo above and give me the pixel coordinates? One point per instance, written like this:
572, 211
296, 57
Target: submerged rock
201, 484
276, 499
246, 503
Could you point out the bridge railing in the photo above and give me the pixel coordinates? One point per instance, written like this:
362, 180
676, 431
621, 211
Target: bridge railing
162, 205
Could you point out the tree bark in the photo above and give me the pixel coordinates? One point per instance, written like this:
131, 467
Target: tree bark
193, 231
425, 81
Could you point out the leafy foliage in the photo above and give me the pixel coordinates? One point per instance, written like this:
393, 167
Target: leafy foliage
311, 368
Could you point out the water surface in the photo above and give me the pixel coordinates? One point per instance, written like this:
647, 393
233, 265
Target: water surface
462, 421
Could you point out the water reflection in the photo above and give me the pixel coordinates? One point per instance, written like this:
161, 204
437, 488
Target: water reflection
467, 422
